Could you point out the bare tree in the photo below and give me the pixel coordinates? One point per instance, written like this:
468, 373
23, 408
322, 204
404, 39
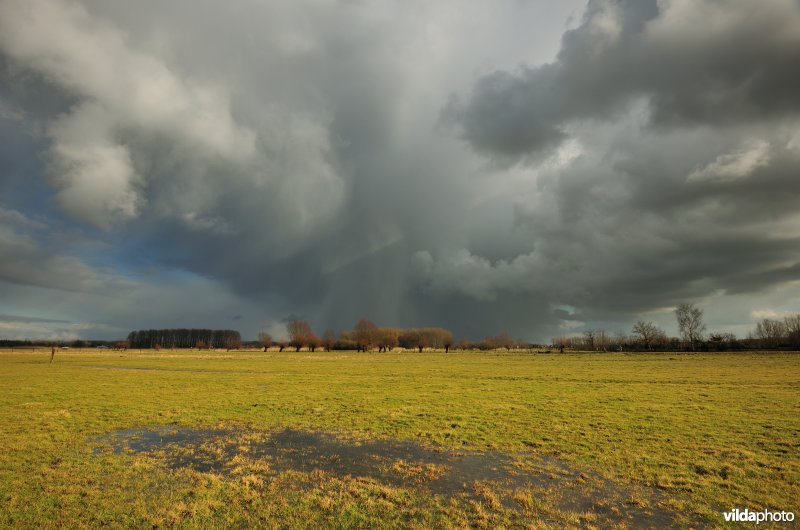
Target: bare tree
601, 340
690, 323
233, 343
792, 324
415, 338
423, 340
313, 342
721, 340
620, 341
589, 338
300, 333
366, 334
771, 333
447, 340
265, 340
561, 342
387, 338
496, 342
465, 345
647, 333
328, 339
437, 338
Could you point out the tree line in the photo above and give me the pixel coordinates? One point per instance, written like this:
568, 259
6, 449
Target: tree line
768, 334
368, 336
774, 333
365, 336
185, 338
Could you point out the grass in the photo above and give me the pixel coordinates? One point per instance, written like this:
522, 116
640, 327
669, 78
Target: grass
710, 431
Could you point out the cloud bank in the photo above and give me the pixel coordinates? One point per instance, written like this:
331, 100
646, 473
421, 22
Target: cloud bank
477, 167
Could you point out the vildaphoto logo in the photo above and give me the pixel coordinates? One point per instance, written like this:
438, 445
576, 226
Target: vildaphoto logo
765, 516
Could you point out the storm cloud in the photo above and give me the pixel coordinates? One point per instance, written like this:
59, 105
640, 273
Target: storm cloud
690, 62
484, 167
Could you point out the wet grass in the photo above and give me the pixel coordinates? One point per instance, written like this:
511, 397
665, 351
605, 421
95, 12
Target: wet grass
467, 476
708, 432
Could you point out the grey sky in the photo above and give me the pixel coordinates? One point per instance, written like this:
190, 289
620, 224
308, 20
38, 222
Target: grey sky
532, 167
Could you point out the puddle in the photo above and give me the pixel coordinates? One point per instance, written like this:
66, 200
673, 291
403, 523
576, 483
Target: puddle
439, 470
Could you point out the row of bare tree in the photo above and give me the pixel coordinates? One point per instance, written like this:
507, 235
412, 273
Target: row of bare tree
769, 333
365, 336
774, 333
647, 335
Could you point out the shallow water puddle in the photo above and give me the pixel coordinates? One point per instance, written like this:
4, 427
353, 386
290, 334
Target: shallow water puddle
442, 471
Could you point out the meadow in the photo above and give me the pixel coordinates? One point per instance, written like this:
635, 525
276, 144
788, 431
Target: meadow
689, 435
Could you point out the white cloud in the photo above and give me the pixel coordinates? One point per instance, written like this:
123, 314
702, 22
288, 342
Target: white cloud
760, 314
123, 90
97, 180
736, 165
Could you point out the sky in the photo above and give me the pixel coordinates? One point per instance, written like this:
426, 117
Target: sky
525, 166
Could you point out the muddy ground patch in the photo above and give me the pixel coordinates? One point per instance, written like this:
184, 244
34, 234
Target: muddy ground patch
544, 485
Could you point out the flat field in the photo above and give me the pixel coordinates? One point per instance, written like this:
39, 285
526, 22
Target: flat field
404, 440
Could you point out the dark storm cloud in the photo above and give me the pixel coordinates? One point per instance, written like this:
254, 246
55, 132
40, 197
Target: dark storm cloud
641, 222
339, 192
663, 144
693, 62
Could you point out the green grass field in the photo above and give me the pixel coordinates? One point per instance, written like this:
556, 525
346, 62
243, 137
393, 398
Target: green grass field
706, 432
